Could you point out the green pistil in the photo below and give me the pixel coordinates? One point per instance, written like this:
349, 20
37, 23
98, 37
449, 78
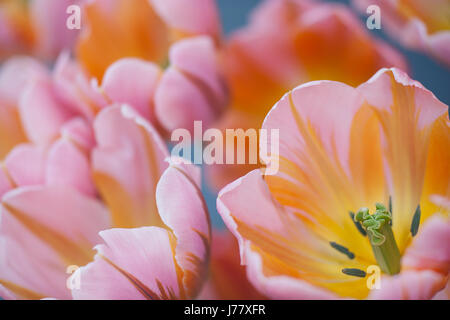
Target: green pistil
378, 227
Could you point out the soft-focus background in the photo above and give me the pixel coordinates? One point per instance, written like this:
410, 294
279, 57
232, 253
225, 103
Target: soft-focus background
431, 74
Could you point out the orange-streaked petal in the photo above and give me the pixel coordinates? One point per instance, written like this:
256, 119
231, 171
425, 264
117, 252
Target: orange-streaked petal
43, 231
132, 264
406, 112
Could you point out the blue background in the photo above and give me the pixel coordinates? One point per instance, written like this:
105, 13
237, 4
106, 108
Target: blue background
433, 75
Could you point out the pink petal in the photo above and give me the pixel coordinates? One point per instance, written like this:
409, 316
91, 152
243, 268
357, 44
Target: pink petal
43, 231
281, 287
439, 45
15, 74
42, 114
180, 108
49, 18
132, 81
410, 285
429, 106
69, 165
132, 264
430, 248
197, 58
329, 107
189, 16
74, 89
11, 131
127, 165
6, 294
405, 110
80, 132
25, 165
194, 172
182, 209
249, 200
200, 95
5, 181
227, 278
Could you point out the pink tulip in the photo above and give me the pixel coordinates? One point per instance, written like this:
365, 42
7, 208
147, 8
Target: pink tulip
417, 24
157, 201
342, 149
46, 101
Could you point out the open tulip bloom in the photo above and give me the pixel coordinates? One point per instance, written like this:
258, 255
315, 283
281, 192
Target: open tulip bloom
363, 181
95, 204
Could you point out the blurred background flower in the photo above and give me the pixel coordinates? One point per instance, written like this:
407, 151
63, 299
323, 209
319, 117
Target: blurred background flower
419, 25
35, 27
305, 41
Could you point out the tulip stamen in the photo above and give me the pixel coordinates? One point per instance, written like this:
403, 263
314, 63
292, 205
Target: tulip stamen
390, 210
381, 237
415, 221
357, 224
342, 249
354, 272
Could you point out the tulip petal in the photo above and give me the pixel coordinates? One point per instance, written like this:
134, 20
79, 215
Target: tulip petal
80, 132
25, 165
180, 108
410, 285
127, 164
11, 131
44, 231
407, 112
15, 74
74, 89
69, 165
132, 81
41, 112
189, 16
120, 28
200, 94
5, 181
281, 287
197, 58
314, 180
435, 233
125, 268
227, 279
437, 172
328, 36
182, 209
49, 20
